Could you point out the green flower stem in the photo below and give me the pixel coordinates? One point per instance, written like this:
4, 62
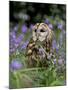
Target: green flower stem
17, 79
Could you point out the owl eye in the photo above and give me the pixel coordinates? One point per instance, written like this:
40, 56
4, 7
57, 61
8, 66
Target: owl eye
35, 30
42, 30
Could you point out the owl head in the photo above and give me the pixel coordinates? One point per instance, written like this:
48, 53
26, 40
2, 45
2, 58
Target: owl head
42, 32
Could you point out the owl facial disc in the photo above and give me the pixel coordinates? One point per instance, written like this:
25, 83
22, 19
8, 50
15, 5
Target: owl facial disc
40, 33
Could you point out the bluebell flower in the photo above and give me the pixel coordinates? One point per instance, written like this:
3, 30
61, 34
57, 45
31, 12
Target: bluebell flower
31, 26
15, 28
57, 48
60, 61
64, 32
54, 44
24, 28
16, 64
18, 40
13, 34
54, 61
12, 50
46, 21
61, 39
20, 37
50, 26
12, 46
24, 45
15, 41
16, 45
60, 26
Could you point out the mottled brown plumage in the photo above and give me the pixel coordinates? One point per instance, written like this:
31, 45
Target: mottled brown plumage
40, 46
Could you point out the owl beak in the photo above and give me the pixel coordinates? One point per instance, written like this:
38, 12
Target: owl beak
38, 33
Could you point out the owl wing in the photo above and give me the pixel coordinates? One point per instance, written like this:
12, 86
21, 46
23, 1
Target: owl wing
30, 47
31, 52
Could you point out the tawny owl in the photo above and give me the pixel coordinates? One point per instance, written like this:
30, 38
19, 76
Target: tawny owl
39, 49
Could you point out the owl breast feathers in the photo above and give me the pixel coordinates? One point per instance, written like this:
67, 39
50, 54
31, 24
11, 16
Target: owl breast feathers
40, 46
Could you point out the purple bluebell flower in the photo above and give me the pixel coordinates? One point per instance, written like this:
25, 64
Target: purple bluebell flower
12, 50
57, 48
31, 26
54, 61
61, 36
60, 61
16, 64
64, 32
24, 28
61, 39
18, 40
13, 34
60, 26
20, 37
46, 21
15, 28
16, 45
54, 44
24, 45
11, 46
50, 26
15, 41
12, 39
